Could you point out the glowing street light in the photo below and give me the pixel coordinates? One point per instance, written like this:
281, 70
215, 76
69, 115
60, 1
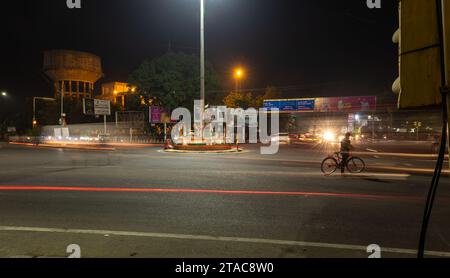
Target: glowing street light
238, 73
4, 94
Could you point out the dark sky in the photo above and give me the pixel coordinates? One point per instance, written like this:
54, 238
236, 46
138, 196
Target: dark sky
306, 47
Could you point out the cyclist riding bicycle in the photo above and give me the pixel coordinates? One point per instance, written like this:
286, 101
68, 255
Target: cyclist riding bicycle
346, 147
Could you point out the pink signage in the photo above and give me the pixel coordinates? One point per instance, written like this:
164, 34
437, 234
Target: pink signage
346, 104
158, 115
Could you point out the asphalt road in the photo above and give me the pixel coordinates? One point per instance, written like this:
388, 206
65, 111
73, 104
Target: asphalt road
141, 202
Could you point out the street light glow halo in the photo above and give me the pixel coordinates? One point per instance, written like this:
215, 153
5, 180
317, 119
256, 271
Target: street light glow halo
239, 73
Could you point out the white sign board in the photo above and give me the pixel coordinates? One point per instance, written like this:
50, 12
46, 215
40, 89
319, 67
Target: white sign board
102, 107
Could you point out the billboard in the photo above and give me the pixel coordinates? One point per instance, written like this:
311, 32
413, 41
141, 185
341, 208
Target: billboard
158, 115
346, 104
334, 104
291, 105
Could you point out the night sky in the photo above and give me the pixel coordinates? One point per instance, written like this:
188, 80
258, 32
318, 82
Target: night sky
305, 47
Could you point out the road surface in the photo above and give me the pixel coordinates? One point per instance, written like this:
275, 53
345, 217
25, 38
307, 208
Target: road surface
141, 202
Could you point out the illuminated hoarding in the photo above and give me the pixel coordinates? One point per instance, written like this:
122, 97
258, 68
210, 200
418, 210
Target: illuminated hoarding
158, 115
291, 105
346, 104
337, 104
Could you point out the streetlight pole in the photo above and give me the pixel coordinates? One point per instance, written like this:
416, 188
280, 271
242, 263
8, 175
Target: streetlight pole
62, 103
238, 75
3, 95
202, 63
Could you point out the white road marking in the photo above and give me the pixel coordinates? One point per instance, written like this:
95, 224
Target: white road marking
385, 176
220, 239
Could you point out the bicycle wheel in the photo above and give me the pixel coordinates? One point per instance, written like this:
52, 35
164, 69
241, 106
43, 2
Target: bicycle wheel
356, 165
329, 166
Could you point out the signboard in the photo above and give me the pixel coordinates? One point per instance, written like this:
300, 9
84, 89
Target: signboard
306, 105
102, 107
11, 129
96, 107
88, 106
158, 115
155, 114
294, 105
338, 104
346, 104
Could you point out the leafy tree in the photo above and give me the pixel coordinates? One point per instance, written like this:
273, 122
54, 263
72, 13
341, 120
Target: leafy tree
247, 99
172, 80
135, 102
269, 93
239, 100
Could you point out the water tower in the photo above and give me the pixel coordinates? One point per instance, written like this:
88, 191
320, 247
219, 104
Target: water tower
74, 72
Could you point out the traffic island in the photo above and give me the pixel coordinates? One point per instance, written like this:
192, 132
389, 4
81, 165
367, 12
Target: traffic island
200, 147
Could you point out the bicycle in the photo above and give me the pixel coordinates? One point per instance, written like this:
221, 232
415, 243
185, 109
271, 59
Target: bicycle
333, 162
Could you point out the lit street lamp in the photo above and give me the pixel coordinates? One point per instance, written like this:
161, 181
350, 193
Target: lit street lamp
4, 94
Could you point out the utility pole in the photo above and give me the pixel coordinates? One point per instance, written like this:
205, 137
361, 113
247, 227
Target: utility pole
202, 64
373, 127
444, 57
391, 124
62, 103
423, 73
104, 122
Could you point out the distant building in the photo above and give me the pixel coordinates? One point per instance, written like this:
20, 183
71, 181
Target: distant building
73, 72
117, 92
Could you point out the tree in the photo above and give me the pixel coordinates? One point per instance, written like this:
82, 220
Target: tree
269, 93
173, 80
247, 99
135, 102
239, 100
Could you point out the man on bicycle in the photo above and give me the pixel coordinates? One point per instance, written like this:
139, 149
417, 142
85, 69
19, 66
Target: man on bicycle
346, 147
